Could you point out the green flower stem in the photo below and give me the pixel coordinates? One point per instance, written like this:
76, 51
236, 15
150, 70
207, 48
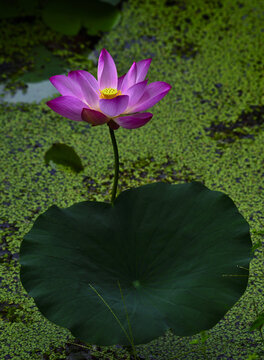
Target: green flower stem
116, 165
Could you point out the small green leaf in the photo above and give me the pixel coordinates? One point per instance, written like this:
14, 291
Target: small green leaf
64, 155
52, 164
258, 323
204, 336
195, 341
256, 246
258, 232
252, 357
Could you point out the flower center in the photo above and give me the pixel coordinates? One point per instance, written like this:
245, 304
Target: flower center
109, 93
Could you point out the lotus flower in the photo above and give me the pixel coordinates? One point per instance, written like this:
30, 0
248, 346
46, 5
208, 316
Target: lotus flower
118, 101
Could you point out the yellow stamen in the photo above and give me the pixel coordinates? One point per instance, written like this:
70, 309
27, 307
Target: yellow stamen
109, 93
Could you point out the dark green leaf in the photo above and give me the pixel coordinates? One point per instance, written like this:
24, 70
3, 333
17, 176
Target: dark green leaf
194, 341
64, 155
258, 232
101, 17
112, 2
62, 16
258, 323
183, 245
45, 65
256, 246
67, 16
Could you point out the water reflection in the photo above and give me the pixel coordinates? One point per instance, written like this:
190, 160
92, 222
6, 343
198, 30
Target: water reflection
35, 92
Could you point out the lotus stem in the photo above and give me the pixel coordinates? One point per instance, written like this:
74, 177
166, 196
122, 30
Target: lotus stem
116, 165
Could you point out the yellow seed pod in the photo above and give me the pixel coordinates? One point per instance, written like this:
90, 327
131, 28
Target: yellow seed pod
109, 93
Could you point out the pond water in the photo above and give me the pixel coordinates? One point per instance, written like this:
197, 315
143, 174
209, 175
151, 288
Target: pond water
35, 92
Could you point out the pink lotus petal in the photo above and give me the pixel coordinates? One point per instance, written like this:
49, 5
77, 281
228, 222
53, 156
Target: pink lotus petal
65, 85
94, 117
68, 106
153, 93
135, 92
115, 106
120, 81
88, 85
142, 69
133, 121
129, 79
89, 78
106, 72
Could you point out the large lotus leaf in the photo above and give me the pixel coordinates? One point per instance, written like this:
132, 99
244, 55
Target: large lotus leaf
170, 247
62, 16
100, 17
